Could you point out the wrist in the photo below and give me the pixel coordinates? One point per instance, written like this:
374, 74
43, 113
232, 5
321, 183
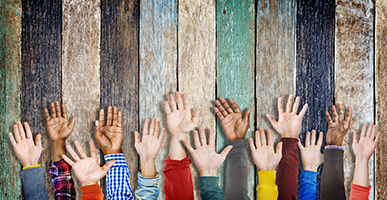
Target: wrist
209, 172
266, 168
59, 143
108, 152
361, 160
310, 168
180, 136
148, 167
87, 183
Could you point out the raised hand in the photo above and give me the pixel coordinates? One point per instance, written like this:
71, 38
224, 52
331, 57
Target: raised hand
365, 146
310, 154
110, 135
25, 149
234, 123
149, 147
289, 123
263, 154
338, 129
180, 120
58, 125
86, 168
205, 157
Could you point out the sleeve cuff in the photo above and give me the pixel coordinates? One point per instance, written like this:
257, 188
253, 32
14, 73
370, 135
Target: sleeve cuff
237, 143
333, 155
359, 192
31, 166
289, 144
266, 177
91, 192
147, 181
308, 175
60, 168
208, 182
334, 147
119, 158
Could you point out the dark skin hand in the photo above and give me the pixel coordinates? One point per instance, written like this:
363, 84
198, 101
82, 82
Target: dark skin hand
233, 121
338, 128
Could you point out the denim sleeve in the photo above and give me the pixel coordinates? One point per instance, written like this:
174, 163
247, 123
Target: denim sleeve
147, 188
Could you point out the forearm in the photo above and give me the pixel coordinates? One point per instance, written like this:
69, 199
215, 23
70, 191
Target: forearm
287, 170
361, 172
332, 177
267, 189
308, 185
177, 150
58, 149
148, 167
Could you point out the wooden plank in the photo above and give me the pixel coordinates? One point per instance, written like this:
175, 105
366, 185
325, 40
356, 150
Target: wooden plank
354, 73
380, 96
235, 22
197, 58
81, 68
10, 90
41, 68
158, 65
119, 70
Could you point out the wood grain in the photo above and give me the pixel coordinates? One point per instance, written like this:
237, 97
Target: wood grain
380, 96
119, 70
354, 73
235, 22
41, 68
81, 69
10, 91
158, 65
197, 58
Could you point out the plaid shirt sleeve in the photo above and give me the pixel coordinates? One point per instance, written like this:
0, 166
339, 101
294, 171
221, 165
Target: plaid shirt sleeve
61, 179
118, 179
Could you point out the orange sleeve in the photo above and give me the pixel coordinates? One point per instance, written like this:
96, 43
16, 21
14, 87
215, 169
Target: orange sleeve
91, 192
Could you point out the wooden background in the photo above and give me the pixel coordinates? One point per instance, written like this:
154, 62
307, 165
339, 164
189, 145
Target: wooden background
91, 54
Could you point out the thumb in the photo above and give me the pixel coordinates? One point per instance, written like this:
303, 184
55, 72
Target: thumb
226, 151
107, 166
137, 138
188, 146
279, 149
271, 120
246, 116
72, 123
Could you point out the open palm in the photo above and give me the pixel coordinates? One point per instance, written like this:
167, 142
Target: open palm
338, 128
310, 154
151, 142
365, 147
58, 125
263, 153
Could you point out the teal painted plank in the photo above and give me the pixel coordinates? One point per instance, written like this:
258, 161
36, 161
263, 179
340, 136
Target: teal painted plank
235, 66
158, 63
10, 90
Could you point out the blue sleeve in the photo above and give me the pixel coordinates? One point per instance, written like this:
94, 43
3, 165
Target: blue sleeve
34, 183
209, 188
118, 179
147, 188
308, 185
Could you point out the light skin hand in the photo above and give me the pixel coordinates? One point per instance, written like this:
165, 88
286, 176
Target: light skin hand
204, 156
289, 123
25, 149
58, 128
363, 149
338, 128
86, 168
234, 123
180, 123
149, 147
110, 135
263, 153
310, 154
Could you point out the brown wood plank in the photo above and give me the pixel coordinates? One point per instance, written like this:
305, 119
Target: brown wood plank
354, 73
197, 58
81, 69
381, 96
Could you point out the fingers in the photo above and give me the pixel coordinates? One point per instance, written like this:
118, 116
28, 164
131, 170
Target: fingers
280, 105
179, 101
341, 113
218, 113
320, 139
115, 116
289, 104
152, 127
157, 129
369, 130
377, 138
72, 153
195, 116
225, 152
167, 108
53, 112
313, 141
252, 147
246, 116
196, 139
17, 134
172, 102
80, 150
234, 105
220, 108
28, 131
363, 131
161, 136
57, 107
373, 132
21, 130
225, 105
137, 138
257, 139
102, 117
307, 139
107, 166
109, 120
334, 114
303, 111
72, 123
188, 146
64, 111
68, 160
47, 115
329, 119
146, 126
349, 116
119, 119
263, 137
295, 106
203, 138
12, 139
300, 145
279, 148
354, 140
211, 137
269, 138
272, 120
92, 150
38, 140
187, 105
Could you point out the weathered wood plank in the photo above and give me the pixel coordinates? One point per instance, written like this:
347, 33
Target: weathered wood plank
354, 71
41, 68
81, 68
10, 90
380, 96
235, 22
158, 65
197, 58
119, 70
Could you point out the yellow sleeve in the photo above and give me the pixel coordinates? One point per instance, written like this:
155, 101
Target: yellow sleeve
31, 166
267, 189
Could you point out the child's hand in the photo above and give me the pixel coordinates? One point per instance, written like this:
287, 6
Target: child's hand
26, 151
110, 135
205, 157
365, 147
289, 123
58, 125
179, 118
310, 154
86, 168
234, 124
264, 156
339, 128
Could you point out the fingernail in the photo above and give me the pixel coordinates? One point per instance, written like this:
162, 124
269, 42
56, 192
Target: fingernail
96, 123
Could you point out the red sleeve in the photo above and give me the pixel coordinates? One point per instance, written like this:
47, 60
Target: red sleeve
287, 170
178, 180
359, 192
91, 192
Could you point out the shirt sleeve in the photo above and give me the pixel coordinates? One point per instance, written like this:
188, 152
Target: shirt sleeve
267, 189
147, 188
178, 179
209, 188
359, 192
118, 179
308, 185
91, 192
287, 170
34, 183
332, 176
61, 179
236, 186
